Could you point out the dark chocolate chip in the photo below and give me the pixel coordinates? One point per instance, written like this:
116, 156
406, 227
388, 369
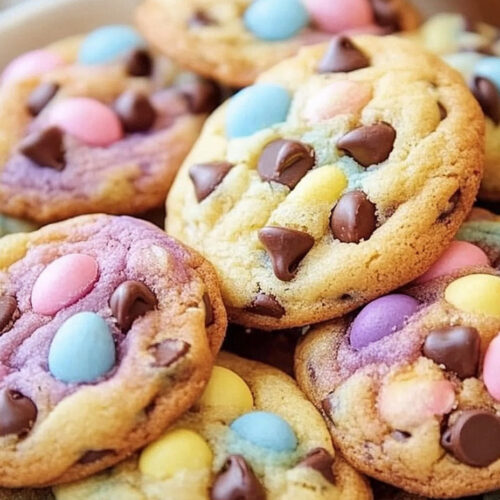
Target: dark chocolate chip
202, 96
209, 311
342, 56
266, 305
93, 455
200, 19
353, 218
207, 176
169, 351
387, 14
17, 413
369, 145
8, 308
486, 93
455, 347
129, 301
451, 206
237, 481
287, 248
474, 439
135, 111
138, 62
41, 96
401, 436
319, 459
442, 111
285, 161
45, 148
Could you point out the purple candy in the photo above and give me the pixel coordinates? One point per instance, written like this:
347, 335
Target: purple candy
381, 317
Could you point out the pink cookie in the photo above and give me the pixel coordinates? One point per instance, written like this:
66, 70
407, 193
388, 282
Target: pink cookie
460, 254
88, 120
340, 15
63, 282
31, 64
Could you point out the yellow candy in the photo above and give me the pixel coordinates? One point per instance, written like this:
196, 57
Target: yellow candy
226, 388
475, 293
177, 450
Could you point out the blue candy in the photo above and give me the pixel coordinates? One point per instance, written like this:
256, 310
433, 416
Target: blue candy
489, 67
265, 430
276, 19
108, 44
255, 108
82, 349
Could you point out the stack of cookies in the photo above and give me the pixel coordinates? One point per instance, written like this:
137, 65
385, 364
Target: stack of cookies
320, 221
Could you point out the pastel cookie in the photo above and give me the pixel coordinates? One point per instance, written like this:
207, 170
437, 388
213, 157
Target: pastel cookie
234, 41
251, 436
309, 191
109, 329
103, 130
412, 393
474, 50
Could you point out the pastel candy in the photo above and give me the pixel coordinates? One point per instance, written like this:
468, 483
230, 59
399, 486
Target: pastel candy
88, 120
464, 62
255, 108
82, 349
475, 293
458, 255
63, 282
266, 430
338, 98
381, 317
108, 44
227, 389
177, 450
11, 225
491, 368
31, 64
340, 15
489, 67
275, 19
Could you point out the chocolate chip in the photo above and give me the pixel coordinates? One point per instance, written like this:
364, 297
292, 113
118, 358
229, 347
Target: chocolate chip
286, 247
209, 311
200, 19
266, 305
237, 481
129, 301
93, 456
455, 347
135, 111
353, 218
17, 413
45, 148
474, 439
451, 206
442, 111
169, 351
342, 55
285, 161
41, 96
8, 308
319, 459
207, 176
486, 93
387, 14
369, 145
138, 62
202, 96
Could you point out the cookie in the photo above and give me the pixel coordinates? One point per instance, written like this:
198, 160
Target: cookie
410, 383
474, 50
234, 41
109, 330
341, 175
95, 124
251, 436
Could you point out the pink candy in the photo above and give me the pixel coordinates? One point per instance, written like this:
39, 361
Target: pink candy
30, 64
63, 282
459, 254
491, 368
87, 119
342, 97
339, 15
